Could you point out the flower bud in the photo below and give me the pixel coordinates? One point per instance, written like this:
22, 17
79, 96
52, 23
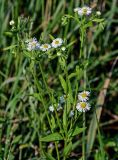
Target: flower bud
11, 22
98, 13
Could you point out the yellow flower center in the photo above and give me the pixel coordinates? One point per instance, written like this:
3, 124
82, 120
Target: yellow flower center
56, 42
83, 104
45, 46
84, 10
84, 95
34, 44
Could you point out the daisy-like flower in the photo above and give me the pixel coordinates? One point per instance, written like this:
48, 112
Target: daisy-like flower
57, 42
51, 108
83, 11
32, 44
45, 47
83, 106
83, 96
11, 22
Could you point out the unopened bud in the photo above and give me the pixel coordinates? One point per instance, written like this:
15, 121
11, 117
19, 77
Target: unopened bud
98, 13
11, 22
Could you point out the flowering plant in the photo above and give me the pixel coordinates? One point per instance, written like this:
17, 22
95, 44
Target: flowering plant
62, 111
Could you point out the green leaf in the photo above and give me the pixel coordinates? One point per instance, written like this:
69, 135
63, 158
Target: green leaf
10, 34
51, 37
53, 122
62, 62
10, 47
67, 149
76, 131
64, 120
111, 144
49, 156
79, 72
63, 83
71, 43
72, 75
98, 20
27, 54
17, 139
2, 120
52, 137
88, 25
37, 96
11, 156
101, 26
70, 96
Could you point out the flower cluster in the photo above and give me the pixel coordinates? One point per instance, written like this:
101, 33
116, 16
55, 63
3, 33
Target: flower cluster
83, 11
52, 107
59, 106
82, 105
33, 44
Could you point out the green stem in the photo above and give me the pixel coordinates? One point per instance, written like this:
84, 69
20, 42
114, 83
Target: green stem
84, 119
82, 40
66, 105
43, 101
38, 87
82, 53
83, 138
56, 146
58, 157
59, 124
100, 138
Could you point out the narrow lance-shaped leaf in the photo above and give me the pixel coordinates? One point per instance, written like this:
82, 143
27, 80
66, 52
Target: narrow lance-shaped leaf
63, 83
67, 149
49, 156
76, 131
52, 137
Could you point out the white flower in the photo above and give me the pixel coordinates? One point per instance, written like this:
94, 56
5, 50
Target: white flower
98, 13
84, 11
45, 47
11, 22
83, 106
32, 44
76, 9
83, 96
57, 42
51, 108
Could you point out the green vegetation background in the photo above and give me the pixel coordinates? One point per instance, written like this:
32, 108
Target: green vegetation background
18, 138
